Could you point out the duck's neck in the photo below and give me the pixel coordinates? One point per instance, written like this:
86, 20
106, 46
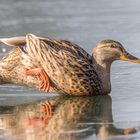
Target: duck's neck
103, 70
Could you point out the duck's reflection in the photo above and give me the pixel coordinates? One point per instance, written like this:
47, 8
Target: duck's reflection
68, 118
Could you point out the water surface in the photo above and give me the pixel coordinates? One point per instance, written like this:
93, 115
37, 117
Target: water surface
84, 22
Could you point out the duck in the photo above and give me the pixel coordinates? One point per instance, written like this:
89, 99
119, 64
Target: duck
67, 67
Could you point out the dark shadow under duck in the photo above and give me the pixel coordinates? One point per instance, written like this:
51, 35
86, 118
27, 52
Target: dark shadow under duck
66, 67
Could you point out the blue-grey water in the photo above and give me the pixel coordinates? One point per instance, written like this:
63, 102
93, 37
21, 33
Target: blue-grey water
30, 115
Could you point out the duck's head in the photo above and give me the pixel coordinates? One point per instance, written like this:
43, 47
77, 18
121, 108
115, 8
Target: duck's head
107, 51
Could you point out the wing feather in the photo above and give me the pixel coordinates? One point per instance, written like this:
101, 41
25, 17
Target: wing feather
67, 64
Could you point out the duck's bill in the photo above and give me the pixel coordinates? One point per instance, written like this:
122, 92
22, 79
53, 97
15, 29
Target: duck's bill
14, 41
128, 57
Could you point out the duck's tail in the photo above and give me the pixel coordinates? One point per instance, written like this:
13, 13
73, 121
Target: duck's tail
14, 41
28, 44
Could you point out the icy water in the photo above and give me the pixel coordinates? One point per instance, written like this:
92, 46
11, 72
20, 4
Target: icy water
30, 115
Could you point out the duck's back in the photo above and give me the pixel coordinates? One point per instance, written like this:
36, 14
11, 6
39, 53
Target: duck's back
68, 66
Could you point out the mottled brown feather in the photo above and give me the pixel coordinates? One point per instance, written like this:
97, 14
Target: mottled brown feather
68, 66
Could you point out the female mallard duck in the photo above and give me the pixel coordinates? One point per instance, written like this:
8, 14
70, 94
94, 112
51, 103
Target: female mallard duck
67, 67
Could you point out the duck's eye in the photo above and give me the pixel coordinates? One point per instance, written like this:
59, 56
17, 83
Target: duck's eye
112, 46
126, 53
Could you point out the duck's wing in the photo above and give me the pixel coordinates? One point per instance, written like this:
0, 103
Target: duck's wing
78, 50
63, 44
67, 65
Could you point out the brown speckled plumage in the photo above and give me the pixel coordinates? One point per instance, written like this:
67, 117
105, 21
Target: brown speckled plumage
68, 66
12, 70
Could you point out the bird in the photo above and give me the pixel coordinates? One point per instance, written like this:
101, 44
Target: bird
67, 67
